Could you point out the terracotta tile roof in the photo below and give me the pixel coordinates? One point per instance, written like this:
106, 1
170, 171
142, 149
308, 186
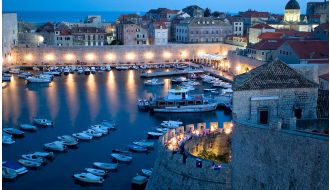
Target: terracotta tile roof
87, 30
275, 75
253, 14
262, 25
293, 33
270, 35
310, 49
325, 76
268, 44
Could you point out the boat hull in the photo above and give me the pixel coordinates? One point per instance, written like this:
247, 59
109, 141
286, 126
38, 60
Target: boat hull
187, 109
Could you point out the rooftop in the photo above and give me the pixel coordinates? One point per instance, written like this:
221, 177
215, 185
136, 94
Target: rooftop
254, 14
262, 26
310, 49
270, 35
292, 4
268, 44
275, 75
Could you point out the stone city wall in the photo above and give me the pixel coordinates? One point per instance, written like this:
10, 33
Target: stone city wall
278, 159
23, 55
170, 173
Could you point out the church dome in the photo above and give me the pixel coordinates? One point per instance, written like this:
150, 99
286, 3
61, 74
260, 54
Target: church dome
292, 4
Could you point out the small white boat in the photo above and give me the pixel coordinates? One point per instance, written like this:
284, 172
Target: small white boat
162, 130
89, 178
121, 157
29, 163
33, 157
66, 71
155, 134
28, 127
153, 82
106, 166
107, 68
43, 122
8, 173
55, 146
19, 169
171, 124
108, 125
102, 68
68, 140
93, 133
35, 68
24, 75
6, 139
209, 89
48, 155
93, 70
14, 70
146, 172
144, 143
87, 71
38, 79
80, 71
137, 148
82, 136
139, 180
13, 131
99, 129
6, 77
97, 172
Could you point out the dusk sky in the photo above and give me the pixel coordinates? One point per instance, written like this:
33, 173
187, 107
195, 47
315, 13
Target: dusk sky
230, 6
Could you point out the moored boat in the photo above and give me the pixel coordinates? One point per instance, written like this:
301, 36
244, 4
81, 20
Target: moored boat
153, 82
13, 131
28, 127
19, 169
121, 157
97, 172
146, 172
7, 139
89, 178
8, 173
43, 122
144, 143
137, 148
153, 135
55, 146
82, 136
38, 79
29, 163
106, 166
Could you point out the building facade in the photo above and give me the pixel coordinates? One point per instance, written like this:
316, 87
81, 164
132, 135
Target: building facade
238, 28
194, 11
256, 30
292, 12
320, 9
9, 33
63, 38
88, 36
132, 34
202, 30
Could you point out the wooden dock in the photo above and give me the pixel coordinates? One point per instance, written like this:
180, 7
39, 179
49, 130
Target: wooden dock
171, 73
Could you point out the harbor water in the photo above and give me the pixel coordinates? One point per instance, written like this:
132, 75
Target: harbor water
74, 102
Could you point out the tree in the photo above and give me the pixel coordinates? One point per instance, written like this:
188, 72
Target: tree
216, 14
207, 12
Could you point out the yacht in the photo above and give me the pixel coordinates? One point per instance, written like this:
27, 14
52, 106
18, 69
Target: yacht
178, 100
6, 77
153, 82
107, 68
87, 71
38, 79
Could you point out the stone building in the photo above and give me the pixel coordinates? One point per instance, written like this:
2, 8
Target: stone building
304, 51
158, 33
292, 12
320, 9
88, 36
252, 17
9, 33
202, 30
132, 34
264, 50
256, 30
277, 142
161, 14
63, 38
194, 11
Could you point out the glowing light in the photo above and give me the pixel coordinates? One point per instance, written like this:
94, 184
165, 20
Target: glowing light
130, 56
238, 68
200, 53
224, 53
228, 131
69, 57
28, 57
167, 70
9, 58
167, 54
149, 71
184, 54
90, 56
110, 56
40, 39
149, 55
49, 57
227, 127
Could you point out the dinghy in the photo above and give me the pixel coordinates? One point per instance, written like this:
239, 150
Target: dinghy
28, 127
13, 131
82, 136
146, 172
121, 157
8, 173
19, 169
43, 122
93, 133
106, 166
97, 172
33, 158
7, 139
137, 148
99, 129
29, 163
55, 146
48, 155
144, 143
89, 178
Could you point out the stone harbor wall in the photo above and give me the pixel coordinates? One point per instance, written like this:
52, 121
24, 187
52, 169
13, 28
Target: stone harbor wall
170, 173
278, 159
113, 54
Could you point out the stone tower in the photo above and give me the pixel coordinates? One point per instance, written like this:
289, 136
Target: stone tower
292, 12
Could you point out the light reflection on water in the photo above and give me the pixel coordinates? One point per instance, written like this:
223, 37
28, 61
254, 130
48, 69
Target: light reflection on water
92, 96
72, 100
